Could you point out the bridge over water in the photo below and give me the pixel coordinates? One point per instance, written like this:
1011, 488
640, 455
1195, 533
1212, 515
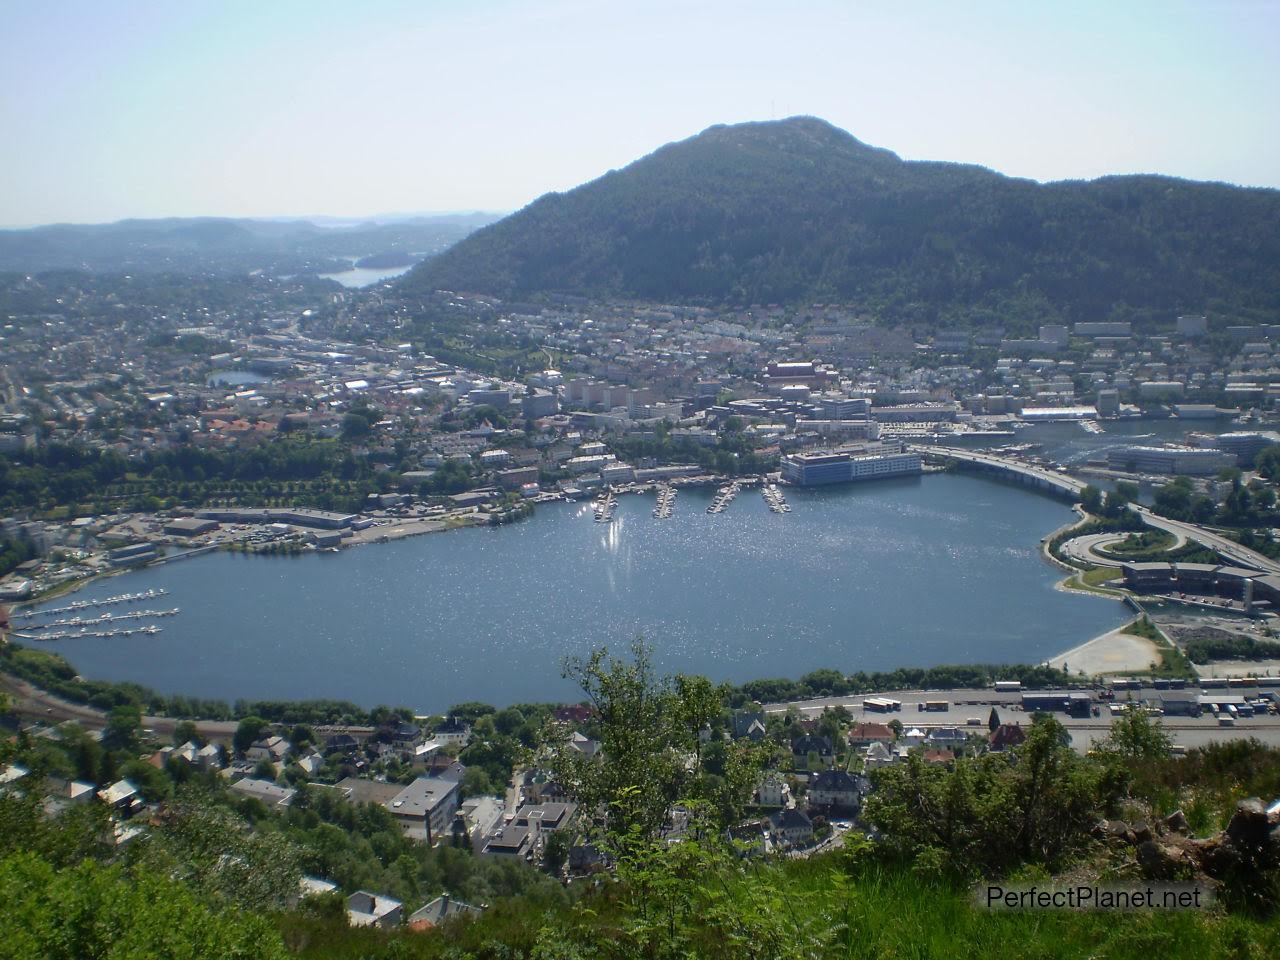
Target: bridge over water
1011, 468
1063, 484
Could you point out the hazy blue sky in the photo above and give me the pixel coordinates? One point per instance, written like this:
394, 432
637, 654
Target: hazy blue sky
270, 107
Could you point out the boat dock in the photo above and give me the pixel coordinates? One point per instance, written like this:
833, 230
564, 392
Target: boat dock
91, 604
149, 630
605, 506
775, 498
666, 502
724, 496
105, 618
84, 622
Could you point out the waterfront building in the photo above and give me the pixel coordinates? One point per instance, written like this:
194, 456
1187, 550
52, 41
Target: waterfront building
1188, 461
189, 527
917, 413
1246, 445
297, 516
516, 478
1202, 580
1049, 414
452, 731
134, 553
817, 469
617, 473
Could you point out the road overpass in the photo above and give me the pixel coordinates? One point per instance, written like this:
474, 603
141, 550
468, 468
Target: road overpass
1011, 468
1063, 484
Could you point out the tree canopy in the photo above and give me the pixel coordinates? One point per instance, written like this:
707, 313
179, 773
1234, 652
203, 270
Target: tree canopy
798, 210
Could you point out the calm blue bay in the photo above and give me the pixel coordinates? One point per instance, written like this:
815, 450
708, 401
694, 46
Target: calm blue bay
941, 569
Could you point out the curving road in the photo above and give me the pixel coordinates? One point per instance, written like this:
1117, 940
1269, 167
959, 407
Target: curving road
1065, 483
1237, 554
1086, 549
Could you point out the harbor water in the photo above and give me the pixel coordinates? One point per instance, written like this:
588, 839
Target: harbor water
911, 572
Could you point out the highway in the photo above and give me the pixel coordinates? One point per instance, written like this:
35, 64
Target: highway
1241, 556
1063, 482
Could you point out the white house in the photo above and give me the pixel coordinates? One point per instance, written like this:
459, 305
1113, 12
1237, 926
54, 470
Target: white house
773, 791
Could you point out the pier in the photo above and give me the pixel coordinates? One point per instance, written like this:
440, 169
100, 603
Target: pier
104, 618
775, 498
605, 506
150, 629
666, 502
151, 594
724, 496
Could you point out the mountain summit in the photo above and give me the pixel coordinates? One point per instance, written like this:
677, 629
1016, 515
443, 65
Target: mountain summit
799, 210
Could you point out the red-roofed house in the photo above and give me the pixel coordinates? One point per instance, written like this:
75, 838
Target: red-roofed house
865, 734
1006, 736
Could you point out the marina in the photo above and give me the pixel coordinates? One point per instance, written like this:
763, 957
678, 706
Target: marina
775, 498
150, 594
103, 626
724, 496
605, 506
105, 618
149, 630
666, 502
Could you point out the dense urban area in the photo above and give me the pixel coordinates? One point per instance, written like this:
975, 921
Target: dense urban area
147, 419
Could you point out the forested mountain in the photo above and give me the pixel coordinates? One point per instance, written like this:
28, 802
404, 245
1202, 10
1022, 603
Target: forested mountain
798, 211
229, 246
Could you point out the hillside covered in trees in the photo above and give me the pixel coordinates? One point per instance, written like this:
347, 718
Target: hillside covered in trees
800, 211
211, 873
224, 246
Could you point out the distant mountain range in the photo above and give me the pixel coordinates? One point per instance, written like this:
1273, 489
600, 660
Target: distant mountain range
799, 211
217, 245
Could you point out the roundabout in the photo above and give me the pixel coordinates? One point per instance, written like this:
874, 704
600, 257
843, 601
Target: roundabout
1097, 548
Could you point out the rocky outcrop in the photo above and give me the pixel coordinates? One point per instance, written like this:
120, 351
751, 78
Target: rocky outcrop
1165, 850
